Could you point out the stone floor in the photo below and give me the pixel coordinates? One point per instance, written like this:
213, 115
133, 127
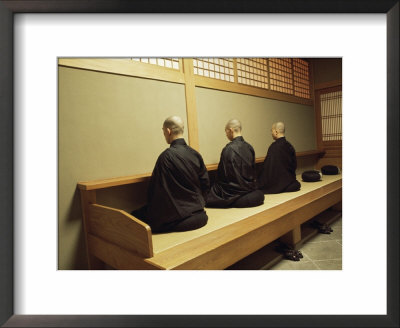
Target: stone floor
321, 252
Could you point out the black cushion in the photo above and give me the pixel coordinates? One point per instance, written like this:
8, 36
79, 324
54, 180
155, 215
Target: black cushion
311, 176
330, 170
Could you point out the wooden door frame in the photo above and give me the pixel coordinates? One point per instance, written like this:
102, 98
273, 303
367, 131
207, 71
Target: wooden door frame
318, 118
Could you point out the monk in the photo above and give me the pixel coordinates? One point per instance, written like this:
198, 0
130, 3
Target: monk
178, 185
278, 172
235, 184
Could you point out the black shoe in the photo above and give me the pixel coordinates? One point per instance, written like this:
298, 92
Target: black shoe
289, 253
292, 255
325, 229
322, 228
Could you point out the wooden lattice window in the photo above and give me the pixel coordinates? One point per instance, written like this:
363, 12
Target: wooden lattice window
281, 75
215, 68
301, 78
253, 71
331, 115
164, 62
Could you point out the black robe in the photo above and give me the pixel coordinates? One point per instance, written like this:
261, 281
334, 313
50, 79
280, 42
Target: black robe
178, 185
278, 172
236, 174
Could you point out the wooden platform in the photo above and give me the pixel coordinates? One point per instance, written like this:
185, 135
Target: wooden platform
124, 242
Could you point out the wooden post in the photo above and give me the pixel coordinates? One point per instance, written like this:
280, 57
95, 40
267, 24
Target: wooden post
89, 197
293, 237
191, 112
235, 71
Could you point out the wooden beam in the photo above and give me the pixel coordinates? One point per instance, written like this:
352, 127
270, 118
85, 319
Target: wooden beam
191, 111
204, 82
88, 198
125, 66
318, 119
118, 257
309, 153
293, 237
311, 84
330, 84
113, 182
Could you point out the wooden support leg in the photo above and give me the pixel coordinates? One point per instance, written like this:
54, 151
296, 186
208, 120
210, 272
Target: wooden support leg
292, 238
89, 197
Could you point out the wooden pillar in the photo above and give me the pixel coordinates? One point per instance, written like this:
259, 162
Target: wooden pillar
235, 71
89, 197
191, 112
293, 237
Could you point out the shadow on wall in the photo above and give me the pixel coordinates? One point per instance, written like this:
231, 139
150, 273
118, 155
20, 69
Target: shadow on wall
74, 217
127, 197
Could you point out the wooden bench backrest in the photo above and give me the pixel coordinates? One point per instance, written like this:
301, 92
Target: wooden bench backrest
120, 228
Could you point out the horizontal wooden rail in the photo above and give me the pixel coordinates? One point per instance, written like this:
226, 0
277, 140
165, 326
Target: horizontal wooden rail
113, 182
208, 83
309, 153
125, 66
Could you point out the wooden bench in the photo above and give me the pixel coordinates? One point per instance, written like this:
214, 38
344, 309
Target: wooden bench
116, 238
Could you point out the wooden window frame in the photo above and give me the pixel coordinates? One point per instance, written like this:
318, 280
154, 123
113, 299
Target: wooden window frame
321, 145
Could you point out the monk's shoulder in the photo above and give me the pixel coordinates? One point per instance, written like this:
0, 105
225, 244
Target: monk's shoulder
228, 149
191, 151
193, 154
289, 145
165, 156
245, 143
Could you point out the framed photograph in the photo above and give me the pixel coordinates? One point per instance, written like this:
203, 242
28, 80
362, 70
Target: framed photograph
82, 298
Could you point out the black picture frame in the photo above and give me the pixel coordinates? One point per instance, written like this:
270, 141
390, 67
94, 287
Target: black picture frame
7, 10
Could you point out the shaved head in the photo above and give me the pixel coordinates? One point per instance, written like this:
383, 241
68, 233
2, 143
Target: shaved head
278, 130
279, 126
234, 124
175, 124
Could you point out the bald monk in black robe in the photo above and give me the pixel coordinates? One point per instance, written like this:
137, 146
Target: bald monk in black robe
235, 184
178, 185
278, 172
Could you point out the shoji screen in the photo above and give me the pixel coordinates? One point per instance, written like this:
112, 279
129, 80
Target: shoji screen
331, 115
